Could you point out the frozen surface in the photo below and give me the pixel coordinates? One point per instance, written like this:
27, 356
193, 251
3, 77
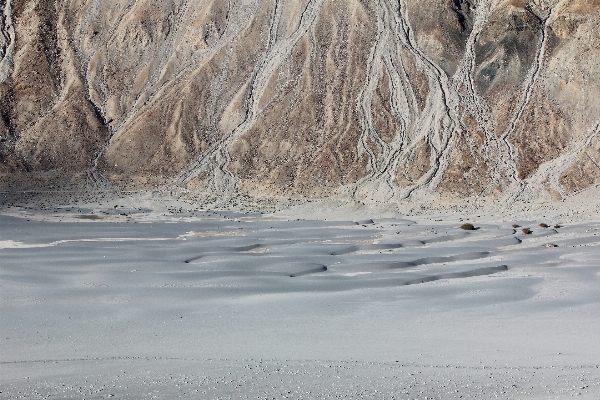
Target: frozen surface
233, 305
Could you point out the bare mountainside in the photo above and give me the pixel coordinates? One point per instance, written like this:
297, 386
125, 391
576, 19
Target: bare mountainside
371, 100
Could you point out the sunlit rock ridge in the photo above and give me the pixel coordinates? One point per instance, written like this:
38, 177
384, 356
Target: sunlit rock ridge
375, 101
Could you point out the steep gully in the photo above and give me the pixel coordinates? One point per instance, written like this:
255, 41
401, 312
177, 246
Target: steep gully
7, 39
551, 171
155, 84
216, 159
513, 193
94, 178
434, 126
476, 107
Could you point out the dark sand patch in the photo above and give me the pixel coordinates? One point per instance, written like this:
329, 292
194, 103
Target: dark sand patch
368, 247
317, 270
437, 260
229, 250
459, 275
91, 217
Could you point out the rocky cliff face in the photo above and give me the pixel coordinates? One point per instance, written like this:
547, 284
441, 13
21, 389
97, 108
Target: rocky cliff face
373, 100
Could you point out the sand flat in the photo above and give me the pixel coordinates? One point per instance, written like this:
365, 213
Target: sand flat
302, 308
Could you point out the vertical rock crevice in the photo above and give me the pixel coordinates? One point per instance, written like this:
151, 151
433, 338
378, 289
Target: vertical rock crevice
215, 162
7, 39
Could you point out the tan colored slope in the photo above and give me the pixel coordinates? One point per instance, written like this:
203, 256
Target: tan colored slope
373, 101
49, 124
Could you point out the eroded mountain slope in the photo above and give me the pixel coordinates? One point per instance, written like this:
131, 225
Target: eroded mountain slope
371, 100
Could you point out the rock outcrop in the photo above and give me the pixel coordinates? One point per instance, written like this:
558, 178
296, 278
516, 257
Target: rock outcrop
374, 101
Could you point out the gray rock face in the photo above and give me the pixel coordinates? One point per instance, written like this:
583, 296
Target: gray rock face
371, 100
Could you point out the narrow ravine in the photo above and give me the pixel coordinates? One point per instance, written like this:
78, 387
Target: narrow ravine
475, 106
365, 104
433, 126
7, 39
216, 159
436, 123
551, 171
514, 192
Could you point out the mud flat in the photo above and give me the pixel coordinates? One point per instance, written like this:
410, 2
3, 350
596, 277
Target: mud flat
129, 303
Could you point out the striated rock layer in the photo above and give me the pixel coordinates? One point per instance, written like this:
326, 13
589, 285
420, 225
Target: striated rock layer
370, 100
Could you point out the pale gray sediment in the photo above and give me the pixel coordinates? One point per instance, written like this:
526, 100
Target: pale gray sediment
288, 306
